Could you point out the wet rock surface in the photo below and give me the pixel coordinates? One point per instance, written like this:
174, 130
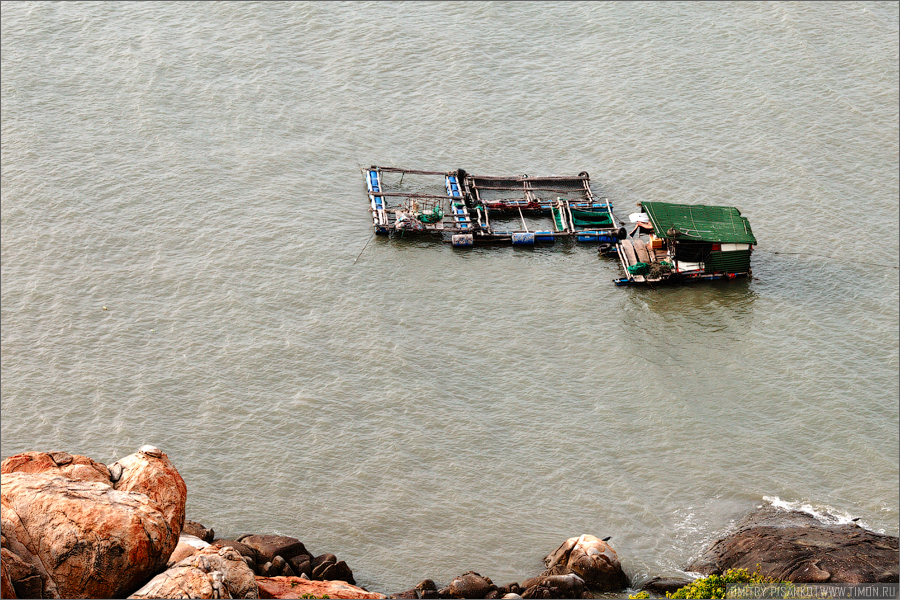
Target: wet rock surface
199, 531
470, 585
795, 546
661, 585
568, 585
592, 559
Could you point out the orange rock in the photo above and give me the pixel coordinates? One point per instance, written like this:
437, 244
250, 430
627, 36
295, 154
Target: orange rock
150, 472
94, 541
71, 466
6, 587
22, 566
210, 573
296, 587
188, 545
74, 529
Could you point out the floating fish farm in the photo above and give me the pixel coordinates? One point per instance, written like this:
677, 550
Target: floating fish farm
672, 243
476, 209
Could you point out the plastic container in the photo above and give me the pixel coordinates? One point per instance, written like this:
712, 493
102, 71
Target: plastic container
523, 239
462, 240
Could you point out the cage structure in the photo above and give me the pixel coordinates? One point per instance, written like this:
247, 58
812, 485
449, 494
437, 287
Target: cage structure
477, 209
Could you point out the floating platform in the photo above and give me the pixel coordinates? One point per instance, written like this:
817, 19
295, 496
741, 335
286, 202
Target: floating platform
478, 209
675, 243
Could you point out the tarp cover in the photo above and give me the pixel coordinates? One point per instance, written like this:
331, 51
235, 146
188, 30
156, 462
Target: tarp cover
699, 223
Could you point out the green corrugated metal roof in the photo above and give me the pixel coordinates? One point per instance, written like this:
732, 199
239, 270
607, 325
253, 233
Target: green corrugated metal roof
699, 223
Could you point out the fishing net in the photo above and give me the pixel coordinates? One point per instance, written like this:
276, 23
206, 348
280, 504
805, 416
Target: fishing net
433, 216
585, 218
659, 269
640, 268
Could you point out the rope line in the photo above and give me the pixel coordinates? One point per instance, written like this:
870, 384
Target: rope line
831, 257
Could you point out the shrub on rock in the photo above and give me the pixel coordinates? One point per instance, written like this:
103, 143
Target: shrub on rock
714, 586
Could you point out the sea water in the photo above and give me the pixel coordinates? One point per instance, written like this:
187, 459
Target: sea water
187, 262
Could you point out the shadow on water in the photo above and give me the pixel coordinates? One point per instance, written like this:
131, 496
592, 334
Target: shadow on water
693, 329
704, 302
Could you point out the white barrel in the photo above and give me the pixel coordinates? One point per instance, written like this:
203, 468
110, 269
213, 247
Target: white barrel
462, 240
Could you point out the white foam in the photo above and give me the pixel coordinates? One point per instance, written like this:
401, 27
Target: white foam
824, 514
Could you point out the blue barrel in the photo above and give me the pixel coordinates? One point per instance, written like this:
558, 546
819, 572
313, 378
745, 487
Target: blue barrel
523, 239
596, 236
544, 237
462, 240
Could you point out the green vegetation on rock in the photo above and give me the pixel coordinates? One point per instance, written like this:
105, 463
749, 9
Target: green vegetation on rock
713, 586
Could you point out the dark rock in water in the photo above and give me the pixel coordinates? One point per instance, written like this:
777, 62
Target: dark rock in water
569, 585
661, 585
270, 546
266, 570
301, 565
251, 562
281, 567
795, 546
425, 589
326, 567
469, 585
245, 550
319, 563
510, 588
196, 529
338, 571
592, 559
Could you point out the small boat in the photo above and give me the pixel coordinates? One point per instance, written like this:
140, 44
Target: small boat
680, 243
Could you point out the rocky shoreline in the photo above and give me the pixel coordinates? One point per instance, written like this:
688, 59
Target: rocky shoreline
76, 528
